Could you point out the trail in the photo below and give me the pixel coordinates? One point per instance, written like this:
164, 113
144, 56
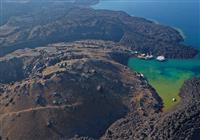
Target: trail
36, 109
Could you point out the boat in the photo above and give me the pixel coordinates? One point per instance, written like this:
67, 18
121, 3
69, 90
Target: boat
134, 52
173, 99
161, 58
142, 56
149, 57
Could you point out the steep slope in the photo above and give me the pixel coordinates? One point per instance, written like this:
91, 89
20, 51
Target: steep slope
70, 90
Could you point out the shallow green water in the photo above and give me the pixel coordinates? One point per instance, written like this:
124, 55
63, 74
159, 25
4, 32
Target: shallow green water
167, 77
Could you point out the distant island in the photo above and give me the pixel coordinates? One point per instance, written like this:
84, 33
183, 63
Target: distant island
71, 22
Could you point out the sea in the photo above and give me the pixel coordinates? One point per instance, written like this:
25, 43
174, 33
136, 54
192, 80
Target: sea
184, 15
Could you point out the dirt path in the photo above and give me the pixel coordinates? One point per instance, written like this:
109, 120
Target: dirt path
36, 109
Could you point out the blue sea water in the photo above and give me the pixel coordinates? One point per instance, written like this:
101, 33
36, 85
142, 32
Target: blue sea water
181, 14
166, 77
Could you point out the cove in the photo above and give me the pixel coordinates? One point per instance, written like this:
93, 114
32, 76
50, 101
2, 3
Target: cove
183, 15
167, 77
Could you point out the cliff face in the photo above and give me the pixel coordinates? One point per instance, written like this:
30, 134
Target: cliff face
72, 89
70, 22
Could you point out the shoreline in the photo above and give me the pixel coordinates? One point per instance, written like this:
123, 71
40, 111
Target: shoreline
181, 32
161, 88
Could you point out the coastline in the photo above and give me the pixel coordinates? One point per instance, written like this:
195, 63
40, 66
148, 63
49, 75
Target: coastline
166, 77
152, 20
181, 32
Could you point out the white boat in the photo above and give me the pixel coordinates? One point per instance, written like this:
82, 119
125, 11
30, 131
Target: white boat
142, 56
161, 58
149, 56
173, 99
134, 52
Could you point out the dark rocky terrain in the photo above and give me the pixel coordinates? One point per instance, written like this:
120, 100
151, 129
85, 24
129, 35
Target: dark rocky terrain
179, 124
42, 24
63, 76
65, 90
80, 90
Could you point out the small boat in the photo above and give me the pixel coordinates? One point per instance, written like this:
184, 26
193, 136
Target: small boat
142, 56
134, 52
161, 58
173, 99
149, 57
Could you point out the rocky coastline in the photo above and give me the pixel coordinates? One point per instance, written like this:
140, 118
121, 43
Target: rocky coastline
72, 22
84, 78
66, 77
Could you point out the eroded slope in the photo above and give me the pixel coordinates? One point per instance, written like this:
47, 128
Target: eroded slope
71, 89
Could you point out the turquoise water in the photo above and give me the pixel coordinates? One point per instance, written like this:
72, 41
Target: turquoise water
182, 14
166, 77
